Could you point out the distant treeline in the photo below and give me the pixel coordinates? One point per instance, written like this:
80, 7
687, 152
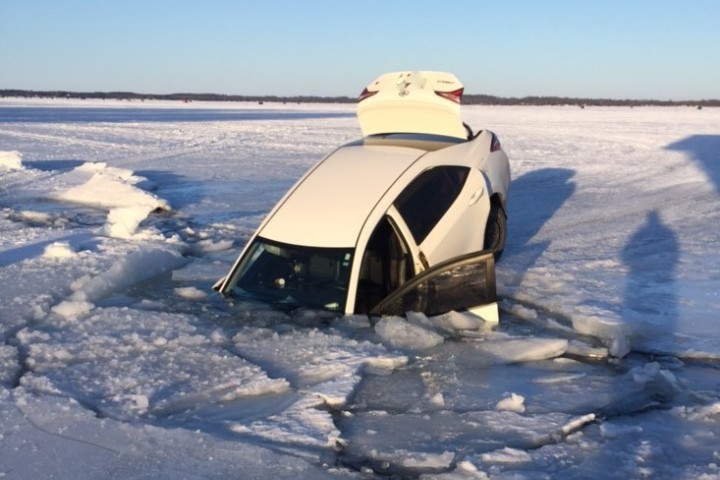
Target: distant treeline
467, 99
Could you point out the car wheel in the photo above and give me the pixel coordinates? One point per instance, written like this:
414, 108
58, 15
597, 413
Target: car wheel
496, 230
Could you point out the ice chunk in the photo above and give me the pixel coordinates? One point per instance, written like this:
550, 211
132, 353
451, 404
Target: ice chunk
34, 217
72, 308
11, 160
605, 326
110, 191
301, 423
709, 413
459, 323
190, 293
465, 470
582, 349
506, 455
423, 460
59, 250
577, 423
513, 403
321, 362
129, 270
511, 350
9, 363
399, 333
615, 430
123, 222
118, 191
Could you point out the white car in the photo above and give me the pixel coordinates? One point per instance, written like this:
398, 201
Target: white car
409, 218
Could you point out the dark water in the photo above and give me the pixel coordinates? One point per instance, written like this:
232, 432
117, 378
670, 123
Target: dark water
123, 115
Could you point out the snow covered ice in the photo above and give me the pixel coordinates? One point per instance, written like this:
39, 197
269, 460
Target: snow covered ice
118, 361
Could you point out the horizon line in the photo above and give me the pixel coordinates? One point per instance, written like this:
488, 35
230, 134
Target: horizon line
468, 98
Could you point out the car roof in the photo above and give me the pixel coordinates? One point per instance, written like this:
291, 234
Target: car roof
329, 206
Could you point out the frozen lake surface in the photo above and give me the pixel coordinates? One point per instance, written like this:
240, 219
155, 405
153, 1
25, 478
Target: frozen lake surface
118, 361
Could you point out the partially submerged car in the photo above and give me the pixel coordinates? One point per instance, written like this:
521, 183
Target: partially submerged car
409, 218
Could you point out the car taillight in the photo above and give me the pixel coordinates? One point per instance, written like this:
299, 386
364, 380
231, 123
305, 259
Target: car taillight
366, 94
495, 143
453, 96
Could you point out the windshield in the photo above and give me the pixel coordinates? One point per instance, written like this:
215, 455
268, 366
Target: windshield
294, 276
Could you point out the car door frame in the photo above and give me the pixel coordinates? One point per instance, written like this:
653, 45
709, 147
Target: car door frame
397, 222
485, 305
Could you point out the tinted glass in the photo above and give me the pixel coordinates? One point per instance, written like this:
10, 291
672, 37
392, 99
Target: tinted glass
386, 265
456, 285
424, 202
295, 276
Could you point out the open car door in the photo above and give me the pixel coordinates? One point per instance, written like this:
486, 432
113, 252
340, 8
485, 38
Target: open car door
462, 283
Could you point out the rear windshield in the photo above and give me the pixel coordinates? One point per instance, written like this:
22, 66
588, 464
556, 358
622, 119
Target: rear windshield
294, 276
421, 141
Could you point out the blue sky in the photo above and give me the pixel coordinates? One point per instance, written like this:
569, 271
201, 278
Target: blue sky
645, 49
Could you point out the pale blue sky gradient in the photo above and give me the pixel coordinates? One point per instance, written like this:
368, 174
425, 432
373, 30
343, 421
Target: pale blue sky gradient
645, 49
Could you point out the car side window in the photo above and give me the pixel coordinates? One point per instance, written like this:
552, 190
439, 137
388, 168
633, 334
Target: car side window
424, 202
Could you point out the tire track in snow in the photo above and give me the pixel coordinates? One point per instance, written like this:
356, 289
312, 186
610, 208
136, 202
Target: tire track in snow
65, 140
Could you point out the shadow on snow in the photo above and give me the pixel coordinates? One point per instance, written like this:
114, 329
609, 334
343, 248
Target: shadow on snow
652, 255
59, 166
533, 200
705, 150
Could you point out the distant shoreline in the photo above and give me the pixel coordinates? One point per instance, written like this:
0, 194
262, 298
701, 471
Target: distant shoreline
467, 99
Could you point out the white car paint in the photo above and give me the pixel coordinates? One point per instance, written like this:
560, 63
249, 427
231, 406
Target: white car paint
341, 201
410, 102
330, 204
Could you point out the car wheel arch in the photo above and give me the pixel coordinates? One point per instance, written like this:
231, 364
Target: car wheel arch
496, 226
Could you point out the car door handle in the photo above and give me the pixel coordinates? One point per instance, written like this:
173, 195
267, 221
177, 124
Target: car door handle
477, 195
